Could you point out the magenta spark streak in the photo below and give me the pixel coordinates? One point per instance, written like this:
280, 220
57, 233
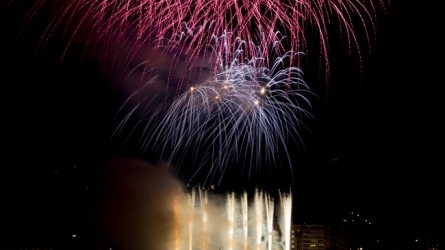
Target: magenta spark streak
168, 23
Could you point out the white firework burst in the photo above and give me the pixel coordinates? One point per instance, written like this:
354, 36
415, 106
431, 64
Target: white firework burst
248, 110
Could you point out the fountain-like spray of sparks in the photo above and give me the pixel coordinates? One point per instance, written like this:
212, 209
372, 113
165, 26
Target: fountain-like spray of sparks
286, 206
204, 200
244, 211
227, 226
269, 206
230, 218
191, 206
259, 217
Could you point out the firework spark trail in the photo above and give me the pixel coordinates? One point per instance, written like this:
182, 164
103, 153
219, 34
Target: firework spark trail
137, 22
247, 110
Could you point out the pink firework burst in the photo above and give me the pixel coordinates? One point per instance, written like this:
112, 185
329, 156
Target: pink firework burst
135, 23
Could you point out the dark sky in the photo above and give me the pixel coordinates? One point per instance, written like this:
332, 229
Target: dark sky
375, 146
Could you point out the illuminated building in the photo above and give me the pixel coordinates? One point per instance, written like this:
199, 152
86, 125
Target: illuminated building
308, 237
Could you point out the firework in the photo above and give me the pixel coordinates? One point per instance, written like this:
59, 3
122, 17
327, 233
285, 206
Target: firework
246, 110
253, 97
135, 23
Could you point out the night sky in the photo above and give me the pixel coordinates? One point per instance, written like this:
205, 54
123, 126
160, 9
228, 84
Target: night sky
374, 147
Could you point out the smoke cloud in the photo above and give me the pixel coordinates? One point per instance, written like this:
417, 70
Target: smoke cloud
133, 206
